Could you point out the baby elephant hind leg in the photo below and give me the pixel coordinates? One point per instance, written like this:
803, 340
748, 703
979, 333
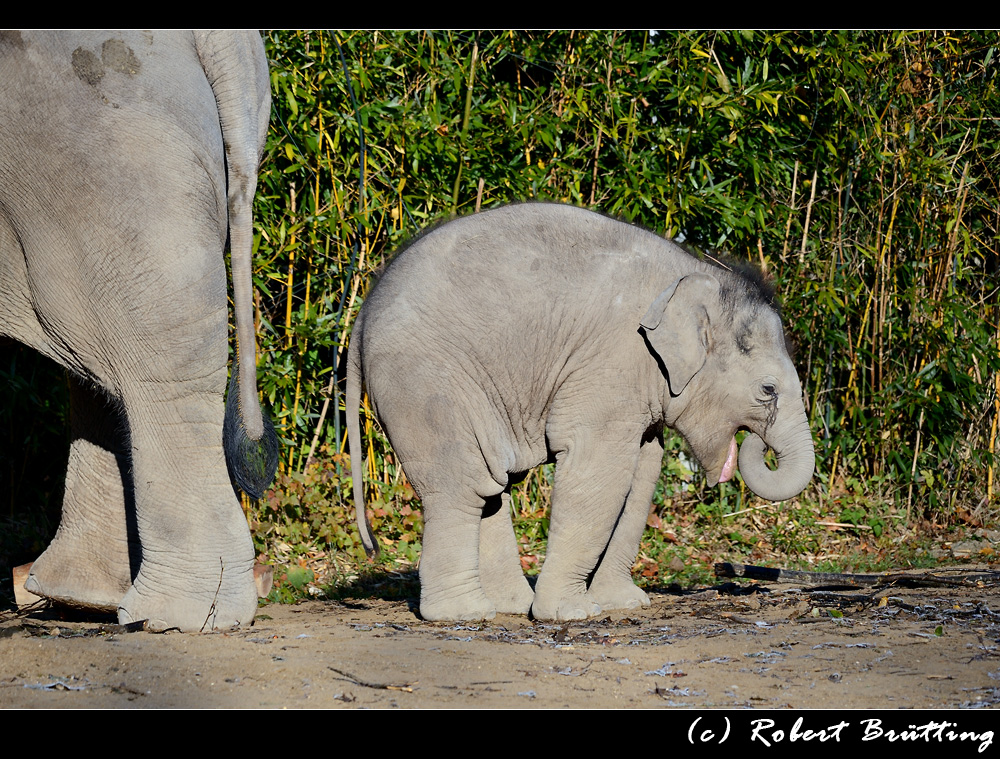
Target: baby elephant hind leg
450, 587
500, 570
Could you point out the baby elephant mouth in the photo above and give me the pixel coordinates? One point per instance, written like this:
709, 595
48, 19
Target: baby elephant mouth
729, 467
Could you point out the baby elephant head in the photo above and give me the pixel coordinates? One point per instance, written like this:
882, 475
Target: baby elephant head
722, 346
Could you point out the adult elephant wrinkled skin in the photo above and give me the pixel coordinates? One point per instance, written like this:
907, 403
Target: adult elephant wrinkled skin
126, 160
543, 332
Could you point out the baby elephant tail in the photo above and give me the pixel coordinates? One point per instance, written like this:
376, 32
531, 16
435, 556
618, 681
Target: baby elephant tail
352, 405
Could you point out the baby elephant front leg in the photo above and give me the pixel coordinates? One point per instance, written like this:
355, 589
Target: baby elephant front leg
589, 492
612, 586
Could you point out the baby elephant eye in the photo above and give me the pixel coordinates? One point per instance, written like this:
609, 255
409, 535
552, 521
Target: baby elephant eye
769, 389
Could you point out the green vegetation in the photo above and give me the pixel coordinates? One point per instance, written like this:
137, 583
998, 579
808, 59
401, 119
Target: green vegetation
859, 169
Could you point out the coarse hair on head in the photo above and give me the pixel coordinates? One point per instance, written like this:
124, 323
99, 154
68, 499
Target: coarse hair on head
745, 286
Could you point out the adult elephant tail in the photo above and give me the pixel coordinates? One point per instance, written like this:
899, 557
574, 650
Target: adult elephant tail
791, 440
236, 67
352, 405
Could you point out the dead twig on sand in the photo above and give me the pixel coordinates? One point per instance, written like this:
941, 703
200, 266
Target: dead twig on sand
408, 688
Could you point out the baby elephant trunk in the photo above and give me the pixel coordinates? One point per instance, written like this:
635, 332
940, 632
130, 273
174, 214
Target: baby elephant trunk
793, 448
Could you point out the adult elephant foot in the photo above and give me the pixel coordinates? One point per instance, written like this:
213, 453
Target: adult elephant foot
512, 598
87, 565
85, 571
216, 596
196, 572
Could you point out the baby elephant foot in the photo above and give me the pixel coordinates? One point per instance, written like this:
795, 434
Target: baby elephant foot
582, 606
518, 603
468, 607
619, 595
513, 597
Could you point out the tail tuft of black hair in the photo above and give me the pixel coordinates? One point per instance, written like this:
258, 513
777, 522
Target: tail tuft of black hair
251, 463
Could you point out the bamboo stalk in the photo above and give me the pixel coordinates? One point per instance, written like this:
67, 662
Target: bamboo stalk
370, 458
871, 295
465, 126
963, 191
913, 466
805, 230
289, 281
568, 56
993, 426
304, 341
829, 279
341, 346
593, 176
339, 202
864, 323
291, 266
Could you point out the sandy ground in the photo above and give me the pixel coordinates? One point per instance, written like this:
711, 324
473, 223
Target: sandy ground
772, 646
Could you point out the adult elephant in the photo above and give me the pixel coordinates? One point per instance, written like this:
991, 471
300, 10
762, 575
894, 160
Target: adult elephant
126, 159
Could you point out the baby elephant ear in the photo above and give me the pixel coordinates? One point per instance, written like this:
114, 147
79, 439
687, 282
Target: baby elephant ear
678, 327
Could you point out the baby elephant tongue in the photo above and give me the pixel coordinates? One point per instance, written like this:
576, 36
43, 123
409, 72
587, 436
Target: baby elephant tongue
730, 466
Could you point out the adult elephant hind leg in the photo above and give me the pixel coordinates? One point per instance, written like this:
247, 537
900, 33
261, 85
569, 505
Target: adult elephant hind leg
500, 570
90, 561
612, 586
197, 555
196, 570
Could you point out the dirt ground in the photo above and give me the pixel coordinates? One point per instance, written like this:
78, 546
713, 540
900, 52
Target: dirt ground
733, 646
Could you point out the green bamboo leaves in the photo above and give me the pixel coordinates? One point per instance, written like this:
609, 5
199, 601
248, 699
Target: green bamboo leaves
859, 169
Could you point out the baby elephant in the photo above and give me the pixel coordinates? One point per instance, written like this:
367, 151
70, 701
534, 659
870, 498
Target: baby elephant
541, 332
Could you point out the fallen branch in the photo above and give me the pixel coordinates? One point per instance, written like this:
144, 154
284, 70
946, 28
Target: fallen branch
905, 579
378, 686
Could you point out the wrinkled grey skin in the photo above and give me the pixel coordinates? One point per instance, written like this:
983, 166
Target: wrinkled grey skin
126, 158
543, 332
